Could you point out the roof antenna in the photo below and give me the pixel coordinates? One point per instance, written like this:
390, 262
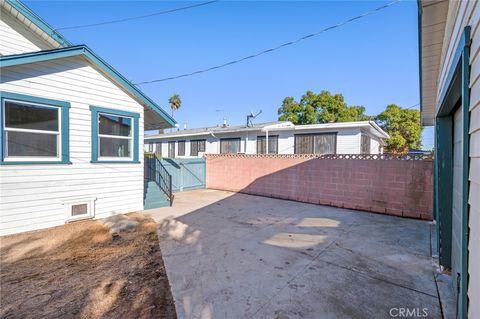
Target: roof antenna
252, 116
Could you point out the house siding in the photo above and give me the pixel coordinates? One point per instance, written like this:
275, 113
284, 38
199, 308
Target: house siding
374, 146
31, 196
348, 141
17, 38
462, 14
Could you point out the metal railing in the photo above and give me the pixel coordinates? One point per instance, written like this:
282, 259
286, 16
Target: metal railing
156, 172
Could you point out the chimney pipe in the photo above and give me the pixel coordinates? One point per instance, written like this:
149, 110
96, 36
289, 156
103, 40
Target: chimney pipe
224, 122
184, 126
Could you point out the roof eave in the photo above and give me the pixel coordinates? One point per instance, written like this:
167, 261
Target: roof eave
378, 129
109, 71
430, 39
39, 22
371, 125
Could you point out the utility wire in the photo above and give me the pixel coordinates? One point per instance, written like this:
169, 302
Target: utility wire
411, 107
363, 15
137, 17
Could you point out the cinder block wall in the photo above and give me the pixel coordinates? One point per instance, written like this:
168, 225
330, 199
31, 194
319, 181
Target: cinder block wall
392, 187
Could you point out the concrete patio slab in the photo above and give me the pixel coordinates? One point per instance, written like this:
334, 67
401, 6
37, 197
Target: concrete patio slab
232, 255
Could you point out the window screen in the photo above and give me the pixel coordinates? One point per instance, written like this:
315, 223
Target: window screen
197, 146
31, 130
365, 146
229, 145
171, 149
325, 144
272, 144
303, 144
181, 148
115, 135
316, 143
79, 209
158, 149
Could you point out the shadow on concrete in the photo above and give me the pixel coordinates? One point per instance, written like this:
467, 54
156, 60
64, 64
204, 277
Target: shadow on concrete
233, 255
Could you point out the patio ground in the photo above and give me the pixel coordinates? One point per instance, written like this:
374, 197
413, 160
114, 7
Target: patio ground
232, 255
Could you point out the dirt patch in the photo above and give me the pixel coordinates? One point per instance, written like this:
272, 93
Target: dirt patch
80, 271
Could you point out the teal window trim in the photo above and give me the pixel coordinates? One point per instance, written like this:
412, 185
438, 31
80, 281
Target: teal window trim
135, 116
64, 127
457, 84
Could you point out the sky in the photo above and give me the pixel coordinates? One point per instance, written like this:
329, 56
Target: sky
372, 61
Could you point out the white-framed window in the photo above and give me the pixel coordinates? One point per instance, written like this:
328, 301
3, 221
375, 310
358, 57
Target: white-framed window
33, 129
158, 149
150, 147
79, 208
316, 143
230, 145
197, 146
115, 137
181, 148
272, 144
365, 144
171, 149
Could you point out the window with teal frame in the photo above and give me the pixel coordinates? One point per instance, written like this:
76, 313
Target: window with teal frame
34, 130
114, 136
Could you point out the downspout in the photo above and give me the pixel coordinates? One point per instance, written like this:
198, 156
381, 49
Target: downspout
218, 147
266, 141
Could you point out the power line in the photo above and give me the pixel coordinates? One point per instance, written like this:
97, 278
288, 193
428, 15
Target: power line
137, 17
411, 107
274, 48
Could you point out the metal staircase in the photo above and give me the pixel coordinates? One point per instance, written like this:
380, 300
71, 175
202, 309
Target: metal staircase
157, 183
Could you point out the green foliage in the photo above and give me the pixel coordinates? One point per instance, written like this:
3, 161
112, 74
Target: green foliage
175, 102
403, 126
320, 108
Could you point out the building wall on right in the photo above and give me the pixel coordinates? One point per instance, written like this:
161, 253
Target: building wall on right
460, 15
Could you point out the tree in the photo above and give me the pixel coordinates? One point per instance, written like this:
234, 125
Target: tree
175, 102
320, 108
403, 126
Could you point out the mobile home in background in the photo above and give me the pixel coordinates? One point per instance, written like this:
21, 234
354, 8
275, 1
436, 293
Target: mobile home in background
271, 138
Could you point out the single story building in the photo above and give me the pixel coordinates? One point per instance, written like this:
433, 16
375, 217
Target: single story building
281, 137
71, 129
449, 36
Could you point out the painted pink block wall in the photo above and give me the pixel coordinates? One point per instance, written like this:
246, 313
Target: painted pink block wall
392, 187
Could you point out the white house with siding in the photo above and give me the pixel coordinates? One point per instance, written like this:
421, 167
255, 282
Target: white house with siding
72, 129
364, 137
450, 100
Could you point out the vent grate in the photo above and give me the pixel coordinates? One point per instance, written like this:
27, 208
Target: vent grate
79, 209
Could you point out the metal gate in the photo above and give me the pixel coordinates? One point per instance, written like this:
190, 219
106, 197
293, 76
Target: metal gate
186, 173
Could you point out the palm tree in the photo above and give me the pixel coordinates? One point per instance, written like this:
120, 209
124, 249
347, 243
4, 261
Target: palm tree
175, 102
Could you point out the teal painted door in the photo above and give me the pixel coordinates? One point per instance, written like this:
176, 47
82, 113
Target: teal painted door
457, 195
186, 173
